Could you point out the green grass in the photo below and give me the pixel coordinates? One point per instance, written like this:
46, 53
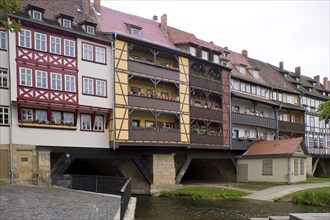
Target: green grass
256, 185
314, 180
317, 196
204, 193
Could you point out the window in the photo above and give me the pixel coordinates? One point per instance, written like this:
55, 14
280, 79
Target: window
70, 83
88, 52
294, 118
224, 63
100, 55
280, 97
302, 166
255, 74
263, 92
258, 91
135, 123
56, 81
150, 124
192, 51
236, 85
40, 41
66, 23
242, 86
247, 133
37, 15
135, 31
86, 121
41, 116
248, 88
235, 134
235, 108
27, 115
295, 167
100, 88
253, 89
290, 99
4, 115
90, 29
241, 69
267, 167
56, 117
3, 40
98, 123
25, 38
68, 118
204, 55
215, 58
69, 48
3, 78
55, 45
312, 120
263, 136
41, 79
274, 96
25, 77
88, 86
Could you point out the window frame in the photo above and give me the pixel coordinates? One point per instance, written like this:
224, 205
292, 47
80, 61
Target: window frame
26, 75
73, 48
94, 90
35, 17
43, 79
91, 119
53, 45
4, 75
44, 41
3, 40
60, 83
90, 29
4, 116
27, 40
71, 82
267, 167
64, 20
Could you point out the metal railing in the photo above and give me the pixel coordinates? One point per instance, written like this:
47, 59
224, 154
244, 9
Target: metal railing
105, 184
246, 119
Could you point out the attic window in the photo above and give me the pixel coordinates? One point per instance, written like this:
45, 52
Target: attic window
90, 29
35, 12
135, 31
310, 89
241, 69
204, 55
254, 73
224, 63
192, 51
37, 15
215, 58
66, 23
226, 54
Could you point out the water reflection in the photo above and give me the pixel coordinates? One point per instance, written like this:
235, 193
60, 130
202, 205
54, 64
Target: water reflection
186, 208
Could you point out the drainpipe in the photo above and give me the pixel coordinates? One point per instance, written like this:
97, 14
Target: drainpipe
113, 48
289, 170
10, 116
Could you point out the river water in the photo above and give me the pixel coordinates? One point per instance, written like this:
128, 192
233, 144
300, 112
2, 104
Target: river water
181, 208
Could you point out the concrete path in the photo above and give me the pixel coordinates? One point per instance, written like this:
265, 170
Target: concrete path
279, 191
32, 202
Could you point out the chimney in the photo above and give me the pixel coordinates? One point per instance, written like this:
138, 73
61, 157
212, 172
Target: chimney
211, 42
245, 53
155, 18
281, 65
317, 78
326, 83
226, 48
297, 70
86, 6
97, 6
163, 23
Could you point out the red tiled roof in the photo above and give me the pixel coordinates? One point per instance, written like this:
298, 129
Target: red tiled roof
274, 147
115, 21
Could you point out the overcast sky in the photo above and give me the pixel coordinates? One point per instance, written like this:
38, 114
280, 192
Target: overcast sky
295, 32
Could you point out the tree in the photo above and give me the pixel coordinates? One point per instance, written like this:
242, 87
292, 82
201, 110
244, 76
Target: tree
9, 7
324, 108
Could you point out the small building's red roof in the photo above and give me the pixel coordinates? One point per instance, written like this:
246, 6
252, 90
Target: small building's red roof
115, 21
274, 147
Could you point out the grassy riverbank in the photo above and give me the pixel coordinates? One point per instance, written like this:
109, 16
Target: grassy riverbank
204, 193
317, 196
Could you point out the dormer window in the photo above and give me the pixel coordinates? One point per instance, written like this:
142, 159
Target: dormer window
65, 20
240, 69
204, 55
226, 54
297, 79
224, 63
254, 73
35, 12
135, 31
88, 27
310, 89
66, 23
192, 51
215, 58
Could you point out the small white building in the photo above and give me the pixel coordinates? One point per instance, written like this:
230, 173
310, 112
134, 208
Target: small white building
280, 161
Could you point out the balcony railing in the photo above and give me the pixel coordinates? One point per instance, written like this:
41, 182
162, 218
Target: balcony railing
149, 102
246, 119
150, 134
205, 83
321, 151
291, 127
214, 114
241, 144
206, 139
153, 70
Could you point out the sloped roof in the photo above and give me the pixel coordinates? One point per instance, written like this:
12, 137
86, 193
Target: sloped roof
115, 21
275, 147
273, 78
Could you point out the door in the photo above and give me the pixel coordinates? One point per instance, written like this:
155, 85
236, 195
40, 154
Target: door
242, 173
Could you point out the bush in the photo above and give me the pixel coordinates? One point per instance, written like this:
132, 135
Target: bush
318, 196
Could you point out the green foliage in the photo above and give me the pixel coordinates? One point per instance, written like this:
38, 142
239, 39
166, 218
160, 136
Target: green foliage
318, 196
314, 180
324, 108
256, 185
204, 193
10, 7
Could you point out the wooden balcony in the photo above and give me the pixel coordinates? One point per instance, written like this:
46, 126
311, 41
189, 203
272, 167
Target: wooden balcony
206, 139
206, 113
140, 134
205, 83
149, 102
245, 119
293, 127
238, 144
153, 70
